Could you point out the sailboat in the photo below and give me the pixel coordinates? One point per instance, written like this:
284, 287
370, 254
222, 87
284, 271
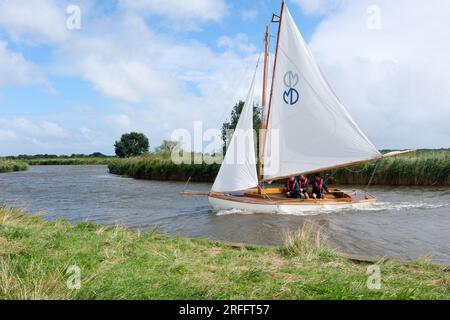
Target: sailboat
305, 130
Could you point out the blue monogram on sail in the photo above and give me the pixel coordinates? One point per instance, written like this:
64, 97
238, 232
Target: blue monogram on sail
291, 95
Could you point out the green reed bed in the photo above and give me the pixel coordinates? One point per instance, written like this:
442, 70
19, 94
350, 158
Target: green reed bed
39, 259
423, 168
12, 166
162, 168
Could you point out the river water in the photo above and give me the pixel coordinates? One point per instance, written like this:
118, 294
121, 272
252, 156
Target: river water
406, 223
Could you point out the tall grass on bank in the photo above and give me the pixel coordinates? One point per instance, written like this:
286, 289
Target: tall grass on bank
12, 166
425, 168
308, 241
156, 167
118, 263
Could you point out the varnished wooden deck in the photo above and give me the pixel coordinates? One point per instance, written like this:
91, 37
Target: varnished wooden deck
277, 196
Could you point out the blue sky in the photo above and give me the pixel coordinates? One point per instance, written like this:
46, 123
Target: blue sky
156, 66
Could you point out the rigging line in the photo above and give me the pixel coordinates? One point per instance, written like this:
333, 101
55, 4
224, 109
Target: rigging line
357, 171
237, 87
222, 118
187, 183
254, 78
333, 173
373, 176
268, 196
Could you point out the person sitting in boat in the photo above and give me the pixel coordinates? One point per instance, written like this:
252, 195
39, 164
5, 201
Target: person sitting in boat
318, 187
303, 186
292, 187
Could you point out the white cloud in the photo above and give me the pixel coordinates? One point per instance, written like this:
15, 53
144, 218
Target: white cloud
23, 127
206, 10
86, 133
7, 135
51, 129
34, 134
121, 121
126, 80
319, 6
239, 42
249, 15
16, 70
34, 21
393, 80
22, 135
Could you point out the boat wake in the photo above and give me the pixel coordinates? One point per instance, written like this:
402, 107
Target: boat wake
372, 207
400, 206
233, 212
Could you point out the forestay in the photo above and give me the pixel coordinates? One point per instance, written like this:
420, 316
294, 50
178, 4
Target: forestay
308, 129
238, 170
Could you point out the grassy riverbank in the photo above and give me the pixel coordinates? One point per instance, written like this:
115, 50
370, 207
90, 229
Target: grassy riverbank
118, 263
156, 167
12, 166
424, 168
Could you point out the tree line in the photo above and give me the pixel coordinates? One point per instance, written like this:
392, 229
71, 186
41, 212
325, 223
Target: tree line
54, 156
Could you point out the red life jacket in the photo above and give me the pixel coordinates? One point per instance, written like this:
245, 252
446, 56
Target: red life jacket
288, 185
304, 183
318, 185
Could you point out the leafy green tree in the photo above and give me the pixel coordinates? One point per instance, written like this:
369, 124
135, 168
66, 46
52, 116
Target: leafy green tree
97, 155
167, 147
231, 125
131, 145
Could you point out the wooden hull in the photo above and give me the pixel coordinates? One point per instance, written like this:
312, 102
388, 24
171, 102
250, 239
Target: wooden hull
273, 201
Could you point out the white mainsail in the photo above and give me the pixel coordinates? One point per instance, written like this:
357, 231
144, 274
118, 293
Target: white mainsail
308, 129
238, 170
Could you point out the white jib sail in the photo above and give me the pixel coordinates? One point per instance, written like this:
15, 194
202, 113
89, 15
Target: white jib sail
309, 128
238, 170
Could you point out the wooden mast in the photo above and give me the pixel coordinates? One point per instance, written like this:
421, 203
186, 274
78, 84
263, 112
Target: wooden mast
275, 62
264, 104
263, 132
